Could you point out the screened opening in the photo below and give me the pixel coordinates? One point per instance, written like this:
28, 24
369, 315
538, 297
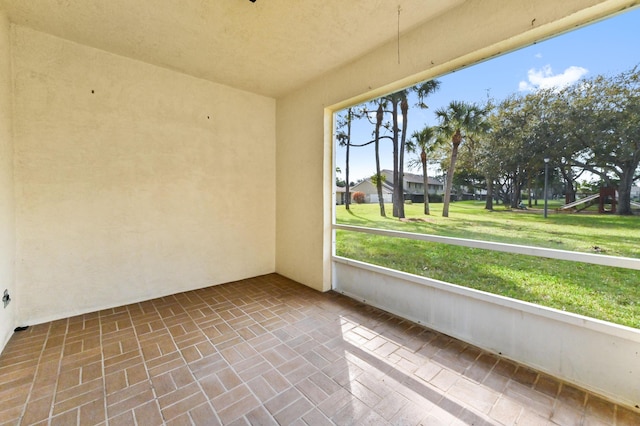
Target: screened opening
518, 176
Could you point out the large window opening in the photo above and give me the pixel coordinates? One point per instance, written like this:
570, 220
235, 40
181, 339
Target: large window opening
518, 176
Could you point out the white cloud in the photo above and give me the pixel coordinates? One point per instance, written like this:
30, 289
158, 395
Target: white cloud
545, 79
538, 56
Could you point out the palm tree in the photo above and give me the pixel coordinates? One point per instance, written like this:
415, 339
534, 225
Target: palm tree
458, 121
423, 140
425, 89
401, 97
404, 109
379, 117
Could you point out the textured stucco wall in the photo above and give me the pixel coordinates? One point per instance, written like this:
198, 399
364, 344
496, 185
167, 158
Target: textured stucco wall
470, 33
7, 229
133, 181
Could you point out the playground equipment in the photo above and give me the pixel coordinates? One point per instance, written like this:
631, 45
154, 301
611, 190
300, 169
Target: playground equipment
607, 196
584, 202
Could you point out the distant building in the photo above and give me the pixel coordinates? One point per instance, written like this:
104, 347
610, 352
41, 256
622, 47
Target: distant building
341, 195
370, 191
413, 185
412, 188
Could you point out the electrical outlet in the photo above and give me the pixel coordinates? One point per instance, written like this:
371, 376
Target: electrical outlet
5, 298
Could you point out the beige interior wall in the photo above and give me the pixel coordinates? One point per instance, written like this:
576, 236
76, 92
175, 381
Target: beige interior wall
133, 181
474, 31
7, 206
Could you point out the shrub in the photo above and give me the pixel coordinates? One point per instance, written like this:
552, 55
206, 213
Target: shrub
358, 197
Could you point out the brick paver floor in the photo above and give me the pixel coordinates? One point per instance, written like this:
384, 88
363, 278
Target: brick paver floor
268, 351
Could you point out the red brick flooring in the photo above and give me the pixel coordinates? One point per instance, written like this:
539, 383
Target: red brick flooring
269, 351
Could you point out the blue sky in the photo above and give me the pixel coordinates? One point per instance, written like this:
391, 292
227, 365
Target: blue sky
606, 47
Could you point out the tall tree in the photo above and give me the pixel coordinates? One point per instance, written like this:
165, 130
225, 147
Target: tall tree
375, 115
404, 109
552, 129
606, 113
398, 190
423, 90
424, 141
488, 158
379, 118
344, 139
397, 104
458, 121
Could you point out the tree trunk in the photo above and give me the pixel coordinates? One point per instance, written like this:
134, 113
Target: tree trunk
515, 194
397, 190
517, 191
456, 139
379, 180
529, 189
624, 190
570, 191
489, 202
404, 108
347, 190
570, 195
425, 181
506, 194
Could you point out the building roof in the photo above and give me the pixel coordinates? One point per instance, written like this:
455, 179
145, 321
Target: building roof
410, 177
385, 186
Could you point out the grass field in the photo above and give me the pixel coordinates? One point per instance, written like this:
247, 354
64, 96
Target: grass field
607, 293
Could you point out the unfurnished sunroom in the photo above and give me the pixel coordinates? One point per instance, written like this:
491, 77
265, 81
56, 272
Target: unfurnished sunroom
149, 150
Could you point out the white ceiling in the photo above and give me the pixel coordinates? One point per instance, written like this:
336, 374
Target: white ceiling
268, 47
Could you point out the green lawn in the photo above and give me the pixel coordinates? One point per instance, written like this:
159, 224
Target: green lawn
607, 293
